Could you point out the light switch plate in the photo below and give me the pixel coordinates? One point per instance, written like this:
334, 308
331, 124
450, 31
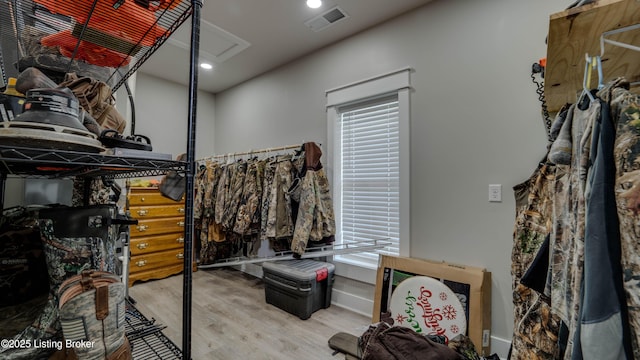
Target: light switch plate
495, 192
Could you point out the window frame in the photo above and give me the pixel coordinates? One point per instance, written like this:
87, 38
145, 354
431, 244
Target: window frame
396, 82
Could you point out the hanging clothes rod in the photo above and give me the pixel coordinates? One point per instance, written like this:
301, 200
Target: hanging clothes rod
253, 152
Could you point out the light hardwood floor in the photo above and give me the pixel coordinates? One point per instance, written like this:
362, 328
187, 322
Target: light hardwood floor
231, 319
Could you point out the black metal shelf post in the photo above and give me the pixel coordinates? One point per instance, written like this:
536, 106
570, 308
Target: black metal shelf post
191, 140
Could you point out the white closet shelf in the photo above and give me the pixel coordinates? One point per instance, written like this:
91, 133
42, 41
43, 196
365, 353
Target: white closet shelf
577, 32
312, 252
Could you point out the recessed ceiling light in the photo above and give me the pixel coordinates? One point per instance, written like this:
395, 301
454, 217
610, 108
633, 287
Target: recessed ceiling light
206, 66
314, 4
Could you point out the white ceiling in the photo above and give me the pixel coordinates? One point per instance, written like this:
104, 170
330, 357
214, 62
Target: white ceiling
245, 38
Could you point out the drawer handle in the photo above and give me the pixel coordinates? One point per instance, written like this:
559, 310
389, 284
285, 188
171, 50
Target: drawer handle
142, 246
180, 256
181, 210
180, 239
181, 223
142, 199
143, 212
142, 228
141, 263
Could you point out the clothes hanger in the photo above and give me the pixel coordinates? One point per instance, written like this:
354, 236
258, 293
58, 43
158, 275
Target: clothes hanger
598, 60
587, 78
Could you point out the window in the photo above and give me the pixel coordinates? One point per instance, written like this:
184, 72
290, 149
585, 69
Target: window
369, 139
369, 177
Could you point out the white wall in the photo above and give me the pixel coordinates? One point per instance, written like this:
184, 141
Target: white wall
161, 114
162, 109
475, 120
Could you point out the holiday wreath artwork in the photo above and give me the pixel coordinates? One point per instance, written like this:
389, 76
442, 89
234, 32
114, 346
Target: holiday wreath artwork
428, 306
435, 298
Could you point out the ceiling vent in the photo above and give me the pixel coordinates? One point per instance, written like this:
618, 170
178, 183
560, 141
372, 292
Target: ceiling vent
326, 19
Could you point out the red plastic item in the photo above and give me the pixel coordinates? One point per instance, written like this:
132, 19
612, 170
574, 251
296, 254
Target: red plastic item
129, 22
322, 274
89, 52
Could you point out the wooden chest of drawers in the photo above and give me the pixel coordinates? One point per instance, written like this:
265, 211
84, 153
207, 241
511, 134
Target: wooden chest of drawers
157, 242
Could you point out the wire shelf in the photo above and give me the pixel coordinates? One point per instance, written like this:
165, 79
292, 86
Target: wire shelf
146, 337
104, 39
61, 164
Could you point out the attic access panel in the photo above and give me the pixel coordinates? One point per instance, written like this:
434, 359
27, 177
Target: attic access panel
104, 39
216, 44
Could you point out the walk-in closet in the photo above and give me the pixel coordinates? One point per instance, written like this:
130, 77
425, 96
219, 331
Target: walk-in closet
319, 179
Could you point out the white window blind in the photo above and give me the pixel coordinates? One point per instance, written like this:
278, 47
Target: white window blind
369, 175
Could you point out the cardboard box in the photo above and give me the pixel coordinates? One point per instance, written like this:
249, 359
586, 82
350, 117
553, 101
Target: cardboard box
472, 286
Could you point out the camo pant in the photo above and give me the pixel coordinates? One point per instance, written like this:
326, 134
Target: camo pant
233, 196
248, 217
213, 244
535, 327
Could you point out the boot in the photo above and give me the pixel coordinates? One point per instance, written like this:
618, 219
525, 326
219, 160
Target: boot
92, 314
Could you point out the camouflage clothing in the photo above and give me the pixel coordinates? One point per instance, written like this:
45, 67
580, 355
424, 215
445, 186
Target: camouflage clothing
625, 110
98, 194
238, 171
602, 332
200, 188
65, 257
535, 327
315, 220
214, 171
23, 269
210, 232
279, 220
251, 196
224, 182
251, 203
248, 219
269, 173
583, 244
567, 239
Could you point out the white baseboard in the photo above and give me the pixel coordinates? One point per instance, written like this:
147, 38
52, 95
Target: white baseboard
500, 346
352, 302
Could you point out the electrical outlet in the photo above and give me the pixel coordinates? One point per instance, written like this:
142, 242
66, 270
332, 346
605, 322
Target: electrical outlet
486, 338
495, 192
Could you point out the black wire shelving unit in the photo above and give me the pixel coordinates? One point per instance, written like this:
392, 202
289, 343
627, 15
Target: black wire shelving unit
20, 17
